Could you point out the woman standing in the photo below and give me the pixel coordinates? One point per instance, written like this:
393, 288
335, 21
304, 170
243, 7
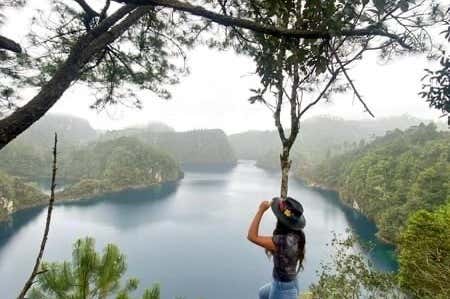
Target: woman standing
287, 245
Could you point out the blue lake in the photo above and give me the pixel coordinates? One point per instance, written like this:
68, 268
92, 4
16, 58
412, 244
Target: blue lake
189, 236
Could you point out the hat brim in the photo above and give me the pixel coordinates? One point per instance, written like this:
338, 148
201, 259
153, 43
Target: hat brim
297, 225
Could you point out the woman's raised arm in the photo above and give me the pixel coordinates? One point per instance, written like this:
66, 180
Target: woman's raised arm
253, 231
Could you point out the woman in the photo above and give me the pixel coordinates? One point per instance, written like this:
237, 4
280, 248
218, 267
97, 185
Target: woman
287, 245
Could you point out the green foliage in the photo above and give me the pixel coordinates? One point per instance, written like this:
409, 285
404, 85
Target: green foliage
351, 276
436, 90
149, 56
424, 256
89, 275
391, 177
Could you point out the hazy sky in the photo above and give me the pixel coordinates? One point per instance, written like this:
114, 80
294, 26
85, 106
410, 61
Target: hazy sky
215, 93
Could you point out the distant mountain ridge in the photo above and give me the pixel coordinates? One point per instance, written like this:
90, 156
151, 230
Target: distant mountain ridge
196, 147
319, 138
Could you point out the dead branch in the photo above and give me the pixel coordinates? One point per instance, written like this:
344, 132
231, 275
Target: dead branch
352, 85
37, 264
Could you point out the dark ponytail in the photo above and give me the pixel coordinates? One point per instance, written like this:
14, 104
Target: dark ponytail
282, 229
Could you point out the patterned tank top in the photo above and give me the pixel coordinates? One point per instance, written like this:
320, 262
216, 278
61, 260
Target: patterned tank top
285, 258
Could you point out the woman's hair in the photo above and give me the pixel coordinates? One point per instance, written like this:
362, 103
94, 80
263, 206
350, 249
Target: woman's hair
282, 229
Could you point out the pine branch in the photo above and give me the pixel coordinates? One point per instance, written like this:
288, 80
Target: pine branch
37, 264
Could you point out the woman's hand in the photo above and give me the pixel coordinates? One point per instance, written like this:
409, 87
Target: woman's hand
253, 231
264, 205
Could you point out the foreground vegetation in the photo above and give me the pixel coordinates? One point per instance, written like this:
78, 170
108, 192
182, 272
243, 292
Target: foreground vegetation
391, 177
424, 255
90, 274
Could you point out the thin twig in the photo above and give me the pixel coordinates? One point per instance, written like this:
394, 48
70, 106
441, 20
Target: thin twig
37, 264
353, 85
322, 93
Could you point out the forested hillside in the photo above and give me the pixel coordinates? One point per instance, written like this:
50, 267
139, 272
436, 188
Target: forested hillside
320, 138
391, 177
15, 195
29, 156
191, 147
113, 165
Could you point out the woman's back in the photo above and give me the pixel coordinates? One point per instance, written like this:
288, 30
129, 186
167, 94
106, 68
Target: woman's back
286, 257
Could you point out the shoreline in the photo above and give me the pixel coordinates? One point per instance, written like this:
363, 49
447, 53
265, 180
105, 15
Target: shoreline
61, 198
68, 199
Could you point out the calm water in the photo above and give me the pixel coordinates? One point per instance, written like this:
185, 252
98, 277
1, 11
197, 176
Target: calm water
190, 236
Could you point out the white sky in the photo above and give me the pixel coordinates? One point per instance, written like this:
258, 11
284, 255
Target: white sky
215, 93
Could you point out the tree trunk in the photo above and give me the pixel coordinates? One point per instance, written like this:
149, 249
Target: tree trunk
285, 167
69, 71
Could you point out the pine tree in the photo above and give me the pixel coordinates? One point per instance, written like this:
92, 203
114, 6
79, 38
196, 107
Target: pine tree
89, 275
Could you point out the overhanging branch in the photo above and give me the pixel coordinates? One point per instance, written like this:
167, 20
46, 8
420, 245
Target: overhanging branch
9, 44
227, 20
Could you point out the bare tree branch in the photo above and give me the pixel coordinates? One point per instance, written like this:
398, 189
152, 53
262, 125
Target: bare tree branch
352, 85
104, 11
37, 264
322, 93
87, 8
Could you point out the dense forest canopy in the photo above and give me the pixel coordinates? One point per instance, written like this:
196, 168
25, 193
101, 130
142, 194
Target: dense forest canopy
391, 177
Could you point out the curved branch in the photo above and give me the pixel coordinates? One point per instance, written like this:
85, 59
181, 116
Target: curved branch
69, 71
9, 44
227, 20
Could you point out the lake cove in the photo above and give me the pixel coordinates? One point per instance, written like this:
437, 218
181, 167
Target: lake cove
189, 236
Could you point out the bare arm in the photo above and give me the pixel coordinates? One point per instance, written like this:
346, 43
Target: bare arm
253, 231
